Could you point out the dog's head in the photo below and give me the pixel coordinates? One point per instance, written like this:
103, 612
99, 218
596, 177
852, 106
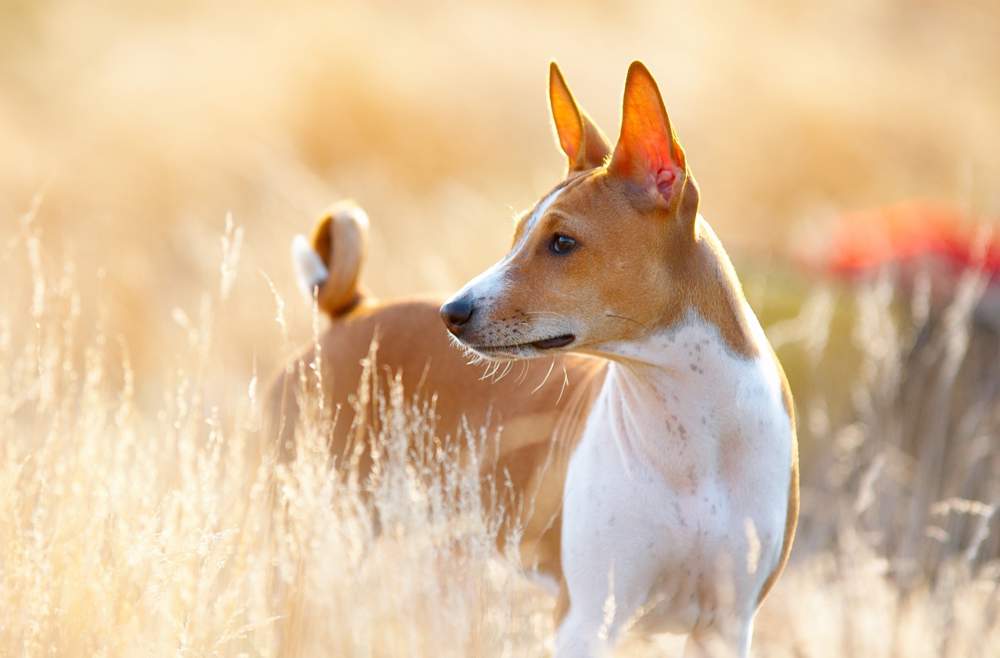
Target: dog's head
599, 259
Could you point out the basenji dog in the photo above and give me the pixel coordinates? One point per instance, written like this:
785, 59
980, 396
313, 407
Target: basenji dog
664, 479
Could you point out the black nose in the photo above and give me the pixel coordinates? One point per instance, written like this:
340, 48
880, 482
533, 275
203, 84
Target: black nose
456, 314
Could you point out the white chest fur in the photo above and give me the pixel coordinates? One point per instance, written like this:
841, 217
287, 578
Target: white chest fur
675, 498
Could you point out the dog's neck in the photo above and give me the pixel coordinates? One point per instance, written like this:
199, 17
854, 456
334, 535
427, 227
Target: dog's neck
695, 351
671, 399
689, 363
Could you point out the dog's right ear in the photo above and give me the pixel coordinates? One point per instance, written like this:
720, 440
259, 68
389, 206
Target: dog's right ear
581, 140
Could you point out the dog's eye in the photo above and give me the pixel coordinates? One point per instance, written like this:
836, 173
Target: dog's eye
562, 244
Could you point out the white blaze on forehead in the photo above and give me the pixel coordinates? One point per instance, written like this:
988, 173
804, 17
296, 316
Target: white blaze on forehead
491, 282
540, 211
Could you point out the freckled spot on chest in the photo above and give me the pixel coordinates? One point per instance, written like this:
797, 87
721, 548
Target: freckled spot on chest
732, 457
682, 480
691, 479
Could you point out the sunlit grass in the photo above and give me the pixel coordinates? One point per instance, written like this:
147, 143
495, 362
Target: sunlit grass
177, 529
144, 509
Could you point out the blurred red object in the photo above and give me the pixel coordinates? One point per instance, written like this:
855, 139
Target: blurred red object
863, 242
921, 241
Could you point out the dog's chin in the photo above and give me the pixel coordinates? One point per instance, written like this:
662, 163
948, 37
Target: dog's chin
529, 350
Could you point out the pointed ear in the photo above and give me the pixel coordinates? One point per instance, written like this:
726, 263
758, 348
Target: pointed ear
648, 153
581, 140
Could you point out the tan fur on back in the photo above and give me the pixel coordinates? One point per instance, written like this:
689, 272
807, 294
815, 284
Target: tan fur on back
541, 416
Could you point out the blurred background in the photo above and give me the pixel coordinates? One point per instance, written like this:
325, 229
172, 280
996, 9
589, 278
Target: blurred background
139, 127
846, 153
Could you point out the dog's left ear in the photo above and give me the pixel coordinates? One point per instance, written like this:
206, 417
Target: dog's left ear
581, 140
648, 154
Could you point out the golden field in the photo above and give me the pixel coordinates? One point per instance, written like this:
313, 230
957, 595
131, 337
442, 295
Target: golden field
156, 160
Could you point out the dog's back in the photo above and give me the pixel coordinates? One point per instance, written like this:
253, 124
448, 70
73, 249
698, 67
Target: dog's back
537, 408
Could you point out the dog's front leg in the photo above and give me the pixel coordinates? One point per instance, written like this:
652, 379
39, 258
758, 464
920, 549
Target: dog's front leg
723, 639
607, 561
579, 637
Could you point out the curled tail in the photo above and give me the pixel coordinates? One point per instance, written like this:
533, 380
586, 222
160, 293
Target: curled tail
329, 263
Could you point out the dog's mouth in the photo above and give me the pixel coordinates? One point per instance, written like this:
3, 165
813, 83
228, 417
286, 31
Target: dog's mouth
552, 343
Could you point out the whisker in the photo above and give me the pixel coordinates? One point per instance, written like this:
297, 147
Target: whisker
524, 372
623, 317
507, 366
552, 313
565, 383
491, 369
546, 378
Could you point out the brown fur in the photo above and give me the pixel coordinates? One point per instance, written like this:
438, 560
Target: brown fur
540, 423
644, 258
644, 270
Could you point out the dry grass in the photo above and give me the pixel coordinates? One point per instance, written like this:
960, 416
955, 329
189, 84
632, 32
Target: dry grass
141, 509
176, 530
